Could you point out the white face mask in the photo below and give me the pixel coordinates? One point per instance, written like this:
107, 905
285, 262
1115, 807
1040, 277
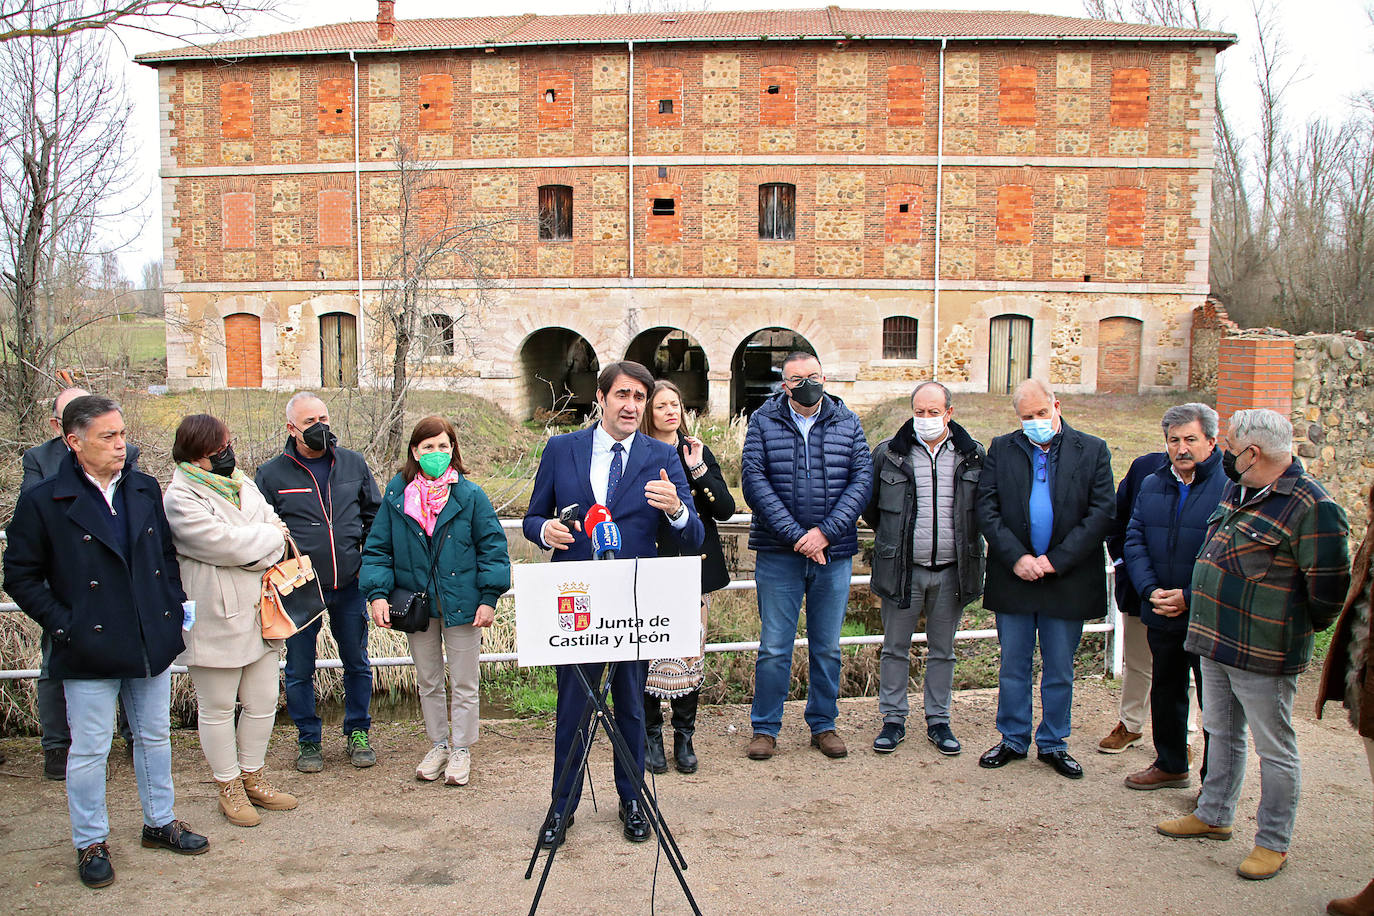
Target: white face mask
929, 428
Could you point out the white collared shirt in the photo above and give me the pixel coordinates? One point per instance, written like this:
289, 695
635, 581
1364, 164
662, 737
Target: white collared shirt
107, 492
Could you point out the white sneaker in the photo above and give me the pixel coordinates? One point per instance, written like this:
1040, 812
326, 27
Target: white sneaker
459, 767
433, 764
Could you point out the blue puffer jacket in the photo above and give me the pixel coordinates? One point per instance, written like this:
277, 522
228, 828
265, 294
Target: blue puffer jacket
1162, 543
793, 487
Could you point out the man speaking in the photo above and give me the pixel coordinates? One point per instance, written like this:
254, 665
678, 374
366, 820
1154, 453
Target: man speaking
641, 482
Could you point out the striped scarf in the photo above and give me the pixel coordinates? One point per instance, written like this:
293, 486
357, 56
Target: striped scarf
228, 487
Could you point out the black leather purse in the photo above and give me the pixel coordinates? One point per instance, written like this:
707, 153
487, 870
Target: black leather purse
410, 609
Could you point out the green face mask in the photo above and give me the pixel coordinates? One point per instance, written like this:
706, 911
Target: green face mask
435, 463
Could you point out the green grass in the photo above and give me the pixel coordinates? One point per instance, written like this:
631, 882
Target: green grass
526, 692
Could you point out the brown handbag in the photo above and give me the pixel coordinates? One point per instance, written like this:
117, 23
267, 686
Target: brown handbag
292, 598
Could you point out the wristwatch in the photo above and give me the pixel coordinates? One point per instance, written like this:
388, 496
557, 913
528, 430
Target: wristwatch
681, 511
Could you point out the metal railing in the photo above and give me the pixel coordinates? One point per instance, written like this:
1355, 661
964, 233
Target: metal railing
1113, 661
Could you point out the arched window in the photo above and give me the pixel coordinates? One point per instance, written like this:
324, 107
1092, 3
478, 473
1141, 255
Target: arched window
899, 338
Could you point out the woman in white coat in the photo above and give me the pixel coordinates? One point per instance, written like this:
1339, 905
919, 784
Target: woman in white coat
226, 535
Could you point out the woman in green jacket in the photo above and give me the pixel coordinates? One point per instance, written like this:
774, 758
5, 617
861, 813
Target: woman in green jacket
437, 532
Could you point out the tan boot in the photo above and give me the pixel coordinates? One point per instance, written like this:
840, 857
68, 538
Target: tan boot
262, 793
1193, 826
233, 801
1362, 904
1262, 863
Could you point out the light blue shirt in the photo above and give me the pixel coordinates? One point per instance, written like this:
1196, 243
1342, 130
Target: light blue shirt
803, 423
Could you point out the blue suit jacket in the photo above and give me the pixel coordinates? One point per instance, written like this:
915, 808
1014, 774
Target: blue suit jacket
564, 477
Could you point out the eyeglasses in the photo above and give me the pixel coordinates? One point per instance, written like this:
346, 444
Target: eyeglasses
1042, 467
798, 379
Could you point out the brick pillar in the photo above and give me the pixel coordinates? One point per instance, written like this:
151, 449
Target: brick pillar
1254, 372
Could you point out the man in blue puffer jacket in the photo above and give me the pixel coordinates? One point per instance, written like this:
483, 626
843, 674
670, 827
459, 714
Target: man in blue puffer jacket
806, 475
1168, 527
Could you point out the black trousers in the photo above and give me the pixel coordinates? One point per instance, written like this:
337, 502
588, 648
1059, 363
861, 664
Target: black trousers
684, 712
1169, 699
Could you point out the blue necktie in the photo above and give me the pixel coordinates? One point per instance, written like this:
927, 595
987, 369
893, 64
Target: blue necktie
617, 468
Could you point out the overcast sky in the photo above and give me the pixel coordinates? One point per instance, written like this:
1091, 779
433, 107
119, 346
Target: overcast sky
1329, 42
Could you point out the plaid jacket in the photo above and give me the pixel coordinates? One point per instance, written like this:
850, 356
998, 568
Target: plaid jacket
1272, 571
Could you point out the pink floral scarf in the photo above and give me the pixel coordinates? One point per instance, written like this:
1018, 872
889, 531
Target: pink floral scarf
426, 498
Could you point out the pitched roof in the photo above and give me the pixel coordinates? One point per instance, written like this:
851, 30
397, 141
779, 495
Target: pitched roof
829, 23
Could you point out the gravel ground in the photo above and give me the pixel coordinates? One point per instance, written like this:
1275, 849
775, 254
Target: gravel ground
911, 832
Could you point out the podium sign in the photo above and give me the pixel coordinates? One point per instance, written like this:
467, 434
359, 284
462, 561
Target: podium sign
607, 610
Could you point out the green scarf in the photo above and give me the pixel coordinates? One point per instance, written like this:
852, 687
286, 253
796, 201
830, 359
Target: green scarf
228, 487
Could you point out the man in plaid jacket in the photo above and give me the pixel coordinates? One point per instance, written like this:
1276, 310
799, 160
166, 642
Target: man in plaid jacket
1274, 569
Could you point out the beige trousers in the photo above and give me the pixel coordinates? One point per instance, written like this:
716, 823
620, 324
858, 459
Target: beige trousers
1137, 676
462, 644
230, 751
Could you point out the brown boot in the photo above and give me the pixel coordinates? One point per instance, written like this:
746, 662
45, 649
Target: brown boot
261, 792
233, 801
761, 746
1362, 904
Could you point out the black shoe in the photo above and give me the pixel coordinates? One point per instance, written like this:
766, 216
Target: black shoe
684, 757
552, 836
636, 824
176, 836
1000, 756
942, 736
93, 865
654, 761
1063, 764
55, 763
893, 734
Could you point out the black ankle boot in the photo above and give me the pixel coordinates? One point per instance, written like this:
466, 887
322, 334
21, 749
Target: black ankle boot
654, 759
684, 727
684, 758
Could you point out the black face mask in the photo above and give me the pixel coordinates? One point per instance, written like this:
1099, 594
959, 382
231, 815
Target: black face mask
317, 437
223, 462
807, 393
1228, 465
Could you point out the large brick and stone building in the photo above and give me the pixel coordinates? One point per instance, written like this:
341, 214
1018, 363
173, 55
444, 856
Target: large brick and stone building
701, 191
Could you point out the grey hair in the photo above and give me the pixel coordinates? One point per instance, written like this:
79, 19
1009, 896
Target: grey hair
949, 400
1192, 412
1045, 389
299, 396
1268, 429
78, 414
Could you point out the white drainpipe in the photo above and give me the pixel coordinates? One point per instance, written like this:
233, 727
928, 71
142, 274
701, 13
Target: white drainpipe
939, 212
630, 159
358, 214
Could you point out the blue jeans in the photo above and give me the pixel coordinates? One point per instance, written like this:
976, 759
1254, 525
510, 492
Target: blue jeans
348, 622
1262, 704
784, 579
90, 716
1058, 642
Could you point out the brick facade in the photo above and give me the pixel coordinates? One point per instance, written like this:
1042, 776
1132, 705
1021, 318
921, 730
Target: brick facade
1075, 185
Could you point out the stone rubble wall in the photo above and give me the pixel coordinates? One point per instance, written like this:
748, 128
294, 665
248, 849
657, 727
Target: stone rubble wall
1333, 416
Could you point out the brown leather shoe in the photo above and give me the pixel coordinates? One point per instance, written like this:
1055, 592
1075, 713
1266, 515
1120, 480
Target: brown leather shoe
762, 747
1118, 740
830, 744
1362, 904
1152, 777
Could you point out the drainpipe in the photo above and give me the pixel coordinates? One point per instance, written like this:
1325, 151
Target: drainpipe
630, 159
358, 210
939, 211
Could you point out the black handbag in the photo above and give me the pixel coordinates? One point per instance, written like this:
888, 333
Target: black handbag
409, 610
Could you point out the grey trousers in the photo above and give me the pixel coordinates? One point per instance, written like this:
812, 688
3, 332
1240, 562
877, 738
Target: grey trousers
935, 594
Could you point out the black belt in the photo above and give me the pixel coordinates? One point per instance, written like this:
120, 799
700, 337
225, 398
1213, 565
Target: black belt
940, 568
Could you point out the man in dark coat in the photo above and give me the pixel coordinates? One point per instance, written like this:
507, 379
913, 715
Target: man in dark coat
1045, 504
90, 557
40, 463
806, 472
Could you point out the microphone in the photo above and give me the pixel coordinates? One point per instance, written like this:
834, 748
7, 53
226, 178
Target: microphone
595, 516
605, 540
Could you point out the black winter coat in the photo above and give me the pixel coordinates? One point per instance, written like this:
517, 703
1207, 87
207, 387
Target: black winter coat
333, 537
891, 513
794, 486
1083, 500
1162, 544
108, 616
713, 502
1127, 598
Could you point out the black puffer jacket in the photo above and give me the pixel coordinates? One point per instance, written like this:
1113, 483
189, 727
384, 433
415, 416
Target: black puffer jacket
891, 513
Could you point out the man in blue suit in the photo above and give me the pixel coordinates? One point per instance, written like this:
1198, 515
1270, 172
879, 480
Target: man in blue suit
640, 480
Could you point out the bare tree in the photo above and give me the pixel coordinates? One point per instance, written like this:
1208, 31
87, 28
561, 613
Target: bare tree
66, 169
181, 19
150, 292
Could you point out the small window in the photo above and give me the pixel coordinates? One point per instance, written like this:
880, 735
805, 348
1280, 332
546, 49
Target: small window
664, 206
778, 212
550, 96
904, 208
899, 338
439, 331
555, 213
774, 90
665, 106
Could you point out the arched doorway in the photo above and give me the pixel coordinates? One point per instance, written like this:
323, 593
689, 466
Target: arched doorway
672, 354
1118, 356
560, 370
1009, 353
756, 370
242, 351
338, 350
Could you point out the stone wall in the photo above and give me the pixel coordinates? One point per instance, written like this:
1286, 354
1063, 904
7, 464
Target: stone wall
1333, 416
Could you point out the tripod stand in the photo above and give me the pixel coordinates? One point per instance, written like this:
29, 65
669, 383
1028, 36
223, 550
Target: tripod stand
595, 713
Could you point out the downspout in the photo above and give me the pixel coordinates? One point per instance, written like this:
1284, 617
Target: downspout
939, 212
358, 209
630, 158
